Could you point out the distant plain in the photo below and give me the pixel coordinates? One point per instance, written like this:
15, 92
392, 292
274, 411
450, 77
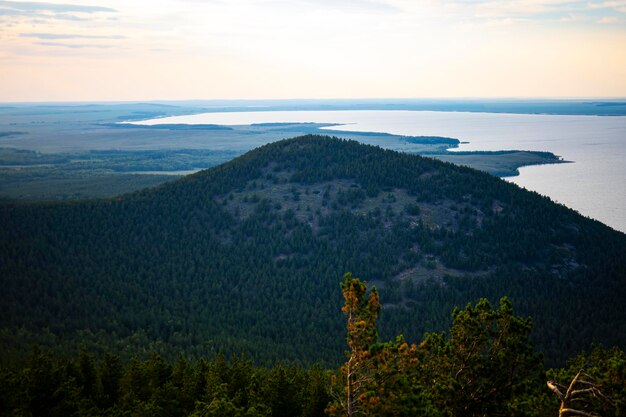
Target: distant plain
78, 150
85, 151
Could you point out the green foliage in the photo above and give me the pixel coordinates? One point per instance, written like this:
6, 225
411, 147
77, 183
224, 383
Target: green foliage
52, 386
356, 375
227, 260
487, 362
484, 366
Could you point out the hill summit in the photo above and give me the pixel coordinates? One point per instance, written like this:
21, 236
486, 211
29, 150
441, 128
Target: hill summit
248, 256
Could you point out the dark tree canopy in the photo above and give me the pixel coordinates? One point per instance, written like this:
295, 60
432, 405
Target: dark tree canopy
243, 258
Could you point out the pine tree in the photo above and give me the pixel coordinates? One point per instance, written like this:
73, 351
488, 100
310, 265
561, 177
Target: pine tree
362, 310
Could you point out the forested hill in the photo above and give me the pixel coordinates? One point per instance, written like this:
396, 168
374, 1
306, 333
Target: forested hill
247, 257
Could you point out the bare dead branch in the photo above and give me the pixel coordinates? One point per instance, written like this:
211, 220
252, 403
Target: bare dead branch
591, 390
555, 389
561, 386
583, 382
571, 385
580, 387
566, 411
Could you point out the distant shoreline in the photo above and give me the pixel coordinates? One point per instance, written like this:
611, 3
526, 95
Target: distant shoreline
89, 152
563, 107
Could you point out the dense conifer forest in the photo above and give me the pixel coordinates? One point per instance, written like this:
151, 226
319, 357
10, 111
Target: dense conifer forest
246, 257
485, 365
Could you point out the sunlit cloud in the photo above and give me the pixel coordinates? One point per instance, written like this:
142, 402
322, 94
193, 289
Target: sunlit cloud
74, 45
14, 13
608, 20
535, 9
38, 13
311, 48
50, 7
617, 5
349, 5
54, 36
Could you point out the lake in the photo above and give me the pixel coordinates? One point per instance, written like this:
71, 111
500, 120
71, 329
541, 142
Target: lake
594, 185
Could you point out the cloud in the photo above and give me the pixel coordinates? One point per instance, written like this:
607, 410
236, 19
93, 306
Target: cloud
343, 5
58, 36
354, 4
556, 11
608, 20
616, 5
613, 4
8, 6
73, 45
528, 8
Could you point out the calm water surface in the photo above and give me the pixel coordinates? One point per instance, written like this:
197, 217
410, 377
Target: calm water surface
594, 185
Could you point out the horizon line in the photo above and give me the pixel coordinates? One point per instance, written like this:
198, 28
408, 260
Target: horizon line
370, 99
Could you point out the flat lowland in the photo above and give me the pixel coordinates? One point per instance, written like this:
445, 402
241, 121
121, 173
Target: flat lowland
84, 151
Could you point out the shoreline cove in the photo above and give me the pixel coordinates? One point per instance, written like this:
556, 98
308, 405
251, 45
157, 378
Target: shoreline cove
594, 143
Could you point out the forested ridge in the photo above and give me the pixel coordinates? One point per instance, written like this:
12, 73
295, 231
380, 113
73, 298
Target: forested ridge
246, 257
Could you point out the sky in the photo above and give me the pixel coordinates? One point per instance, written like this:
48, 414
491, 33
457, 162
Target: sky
119, 50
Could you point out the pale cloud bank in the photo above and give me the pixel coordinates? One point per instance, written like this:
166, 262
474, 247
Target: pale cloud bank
168, 49
74, 45
608, 20
51, 7
538, 9
54, 36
